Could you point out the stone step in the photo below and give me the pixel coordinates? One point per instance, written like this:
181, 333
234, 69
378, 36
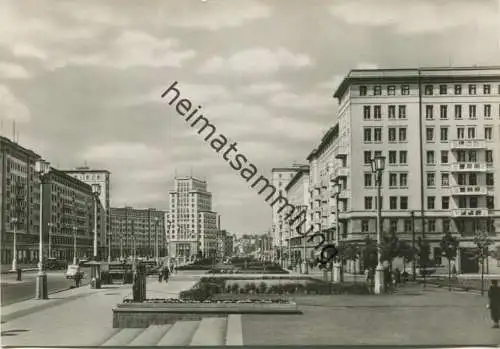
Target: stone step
179, 334
150, 336
234, 333
211, 331
123, 337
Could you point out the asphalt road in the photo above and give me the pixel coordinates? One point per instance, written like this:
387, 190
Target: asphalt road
13, 291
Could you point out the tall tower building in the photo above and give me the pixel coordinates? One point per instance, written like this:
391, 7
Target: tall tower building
191, 224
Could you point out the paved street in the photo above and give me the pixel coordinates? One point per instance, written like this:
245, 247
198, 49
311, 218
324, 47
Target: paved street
13, 291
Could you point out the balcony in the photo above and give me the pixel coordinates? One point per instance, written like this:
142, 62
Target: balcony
468, 167
469, 190
468, 144
342, 172
470, 212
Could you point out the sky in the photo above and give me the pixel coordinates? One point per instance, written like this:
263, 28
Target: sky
83, 79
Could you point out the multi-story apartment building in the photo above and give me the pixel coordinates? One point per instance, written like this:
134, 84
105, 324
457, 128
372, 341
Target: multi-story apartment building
137, 229
101, 177
191, 224
439, 130
281, 176
19, 201
68, 217
298, 195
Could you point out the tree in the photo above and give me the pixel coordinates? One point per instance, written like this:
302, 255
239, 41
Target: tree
352, 252
423, 253
406, 252
369, 253
449, 248
482, 241
390, 248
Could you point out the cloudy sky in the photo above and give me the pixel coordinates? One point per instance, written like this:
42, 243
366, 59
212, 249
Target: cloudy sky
82, 79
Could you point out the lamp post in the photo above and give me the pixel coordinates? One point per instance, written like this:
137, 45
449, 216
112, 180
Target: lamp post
378, 165
42, 167
337, 265
74, 244
110, 235
156, 240
14, 246
96, 191
50, 238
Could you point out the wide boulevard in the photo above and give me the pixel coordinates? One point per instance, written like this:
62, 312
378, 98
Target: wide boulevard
13, 291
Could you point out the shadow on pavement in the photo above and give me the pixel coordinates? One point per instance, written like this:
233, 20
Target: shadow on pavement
12, 332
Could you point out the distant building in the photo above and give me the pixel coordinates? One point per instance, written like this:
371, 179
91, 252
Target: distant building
137, 228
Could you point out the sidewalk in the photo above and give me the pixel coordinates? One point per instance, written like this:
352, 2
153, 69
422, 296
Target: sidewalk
79, 317
6, 268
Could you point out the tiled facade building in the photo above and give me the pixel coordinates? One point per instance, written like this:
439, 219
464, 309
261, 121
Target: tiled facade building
439, 130
136, 228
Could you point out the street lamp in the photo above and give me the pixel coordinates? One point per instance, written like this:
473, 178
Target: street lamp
96, 191
50, 238
336, 271
42, 167
378, 165
110, 235
14, 246
156, 239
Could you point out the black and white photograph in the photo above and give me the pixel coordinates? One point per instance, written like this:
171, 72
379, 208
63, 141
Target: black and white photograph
185, 173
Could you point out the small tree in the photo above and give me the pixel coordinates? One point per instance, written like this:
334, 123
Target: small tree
369, 254
406, 252
449, 247
423, 253
352, 253
390, 248
482, 241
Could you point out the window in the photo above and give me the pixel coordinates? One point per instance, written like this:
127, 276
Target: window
393, 225
472, 156
490, 202
445, 202
471, 132
445, 179
486, 89
402, 134
429, 112
402, 111
405, 90
443, 89
367, 134
393, 202
368, 203
391, 90
472, 179
368, 157
488, 132
490, 180
429, 134
430, 157
366, 112
472, 89
377, 134
431, 200
460, 132
472, 111
458, 111
444, 134
377, 90
487, 110
403, 155
489, 156
392, 134
392, 112
403, 202
392, 157
377, 153
446, 225
428, 90
393, 180
444, 156
362, 90
368, 179
364, 226
403, 180
431, 225
458, 89
431, 179
377, 112
408, 226
443, 111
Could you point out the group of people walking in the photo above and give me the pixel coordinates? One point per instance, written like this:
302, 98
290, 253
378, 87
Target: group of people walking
165, 271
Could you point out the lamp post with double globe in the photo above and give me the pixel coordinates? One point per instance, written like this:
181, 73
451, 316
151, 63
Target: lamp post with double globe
42, 167
378, 165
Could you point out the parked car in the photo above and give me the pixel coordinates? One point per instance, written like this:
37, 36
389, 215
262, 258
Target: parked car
55, 264
73, 270
83, 262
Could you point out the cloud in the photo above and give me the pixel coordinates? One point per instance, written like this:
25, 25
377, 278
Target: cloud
366, 65
13, 71
333, 83
28, 50
256, 61
414, 17
304, 101
11, 107
122, 151
216, 14
264, 88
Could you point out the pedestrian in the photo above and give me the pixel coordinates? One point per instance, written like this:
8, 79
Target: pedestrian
166, 274
397, 277
160, 274
494, 304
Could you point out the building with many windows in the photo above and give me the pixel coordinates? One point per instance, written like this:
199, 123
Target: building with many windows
191, 224
137, 232
101, 177
439, 131
19, 202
